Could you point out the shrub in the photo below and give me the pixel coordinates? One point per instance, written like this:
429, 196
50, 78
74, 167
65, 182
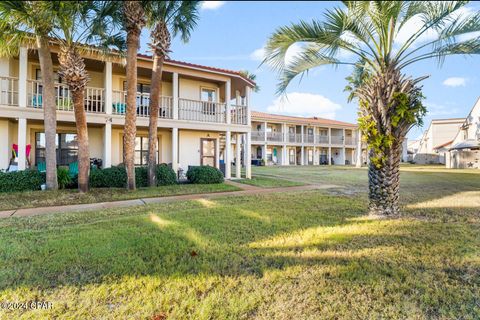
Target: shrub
165, 175
204, 174
63, 178
141, 177
20, 181
114, 177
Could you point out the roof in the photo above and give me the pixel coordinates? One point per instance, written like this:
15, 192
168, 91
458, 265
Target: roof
305, 120
443, 144
466, 144
199, 66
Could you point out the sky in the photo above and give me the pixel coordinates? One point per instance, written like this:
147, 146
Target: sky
231, 35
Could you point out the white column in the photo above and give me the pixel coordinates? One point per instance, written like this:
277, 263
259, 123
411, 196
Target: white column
175, 95
108, 87
175, 150
227, 102
302, 155
329, 155
301, 132
238, 98
107, 144
248, 139
329, 136
248, 158
22, 102
22, 77
343, 156
238, 162
264, 153
344, 137
285, 160
358, 163
228, 155
22, 143
265, 131
284, 132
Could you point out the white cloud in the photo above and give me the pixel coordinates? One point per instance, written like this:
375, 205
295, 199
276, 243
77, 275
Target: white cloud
291, 53
455, 82
305, 104
211, 5
438, 110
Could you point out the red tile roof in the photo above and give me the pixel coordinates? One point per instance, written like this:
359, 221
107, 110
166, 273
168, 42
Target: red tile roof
443, 145
199, 66
256, 115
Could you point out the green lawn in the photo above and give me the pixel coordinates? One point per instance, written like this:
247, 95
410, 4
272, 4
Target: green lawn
32, 199
267, 182
298, 255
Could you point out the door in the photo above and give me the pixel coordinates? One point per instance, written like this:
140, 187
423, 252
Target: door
208, 150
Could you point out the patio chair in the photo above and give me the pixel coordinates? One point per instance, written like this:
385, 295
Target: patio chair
73, 169
42, 167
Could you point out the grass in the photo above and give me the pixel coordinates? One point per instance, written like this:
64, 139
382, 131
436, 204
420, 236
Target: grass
32, 199
267, 182
302, 255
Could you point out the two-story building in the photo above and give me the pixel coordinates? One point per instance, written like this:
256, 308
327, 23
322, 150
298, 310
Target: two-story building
204, 113
288, 140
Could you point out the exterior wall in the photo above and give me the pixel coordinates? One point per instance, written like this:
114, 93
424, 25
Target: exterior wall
4, 144
189, 147
191, 89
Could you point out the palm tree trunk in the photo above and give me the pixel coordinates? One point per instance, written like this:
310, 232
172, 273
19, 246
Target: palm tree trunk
384, 183
155, 94
50, 112
130, 129
82, 137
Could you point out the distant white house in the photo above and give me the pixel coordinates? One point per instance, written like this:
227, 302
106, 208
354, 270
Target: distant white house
436, 141
464, 151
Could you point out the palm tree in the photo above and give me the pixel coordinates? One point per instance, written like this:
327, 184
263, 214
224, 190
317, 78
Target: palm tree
390, 102
78, 24
247, 74
20, 22
165, 18
134, 21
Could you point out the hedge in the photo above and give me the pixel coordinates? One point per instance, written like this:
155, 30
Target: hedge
204, 175
26, 180
165, 175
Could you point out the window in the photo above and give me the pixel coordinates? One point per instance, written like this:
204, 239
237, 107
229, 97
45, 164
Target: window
66, 145
141, 151
143, 94
208, 97
310, 156
208, 152
56, 78
269, 154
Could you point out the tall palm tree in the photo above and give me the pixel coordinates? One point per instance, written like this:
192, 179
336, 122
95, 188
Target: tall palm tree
78, 24
165, 18
134, 21
390, 102
20, 21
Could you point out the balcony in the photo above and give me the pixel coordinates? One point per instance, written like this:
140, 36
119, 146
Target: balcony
258, 136
349, 141
322, 139
295, 138
95, 99
308, 138
336, 140
275, 136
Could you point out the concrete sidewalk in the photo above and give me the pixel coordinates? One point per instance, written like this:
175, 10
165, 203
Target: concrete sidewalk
247, 190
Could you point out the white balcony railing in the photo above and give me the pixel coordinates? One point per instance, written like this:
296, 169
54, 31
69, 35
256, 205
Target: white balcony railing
258, 135
119, 101
308, 138
293, 137
349, 140
337, 139
275, 136
322, 139
94, 101
203, 111
9, 91
239, 114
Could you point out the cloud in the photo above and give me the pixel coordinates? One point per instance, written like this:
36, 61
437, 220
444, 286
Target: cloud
258, 54
438, 110
305, 104
211, 5
455, 82
292, 52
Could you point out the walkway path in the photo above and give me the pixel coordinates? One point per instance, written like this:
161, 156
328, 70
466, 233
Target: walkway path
247, 190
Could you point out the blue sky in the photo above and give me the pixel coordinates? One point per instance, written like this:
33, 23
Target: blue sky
231, 34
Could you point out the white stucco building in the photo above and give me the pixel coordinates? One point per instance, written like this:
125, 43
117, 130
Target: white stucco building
464, 151
204, 113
